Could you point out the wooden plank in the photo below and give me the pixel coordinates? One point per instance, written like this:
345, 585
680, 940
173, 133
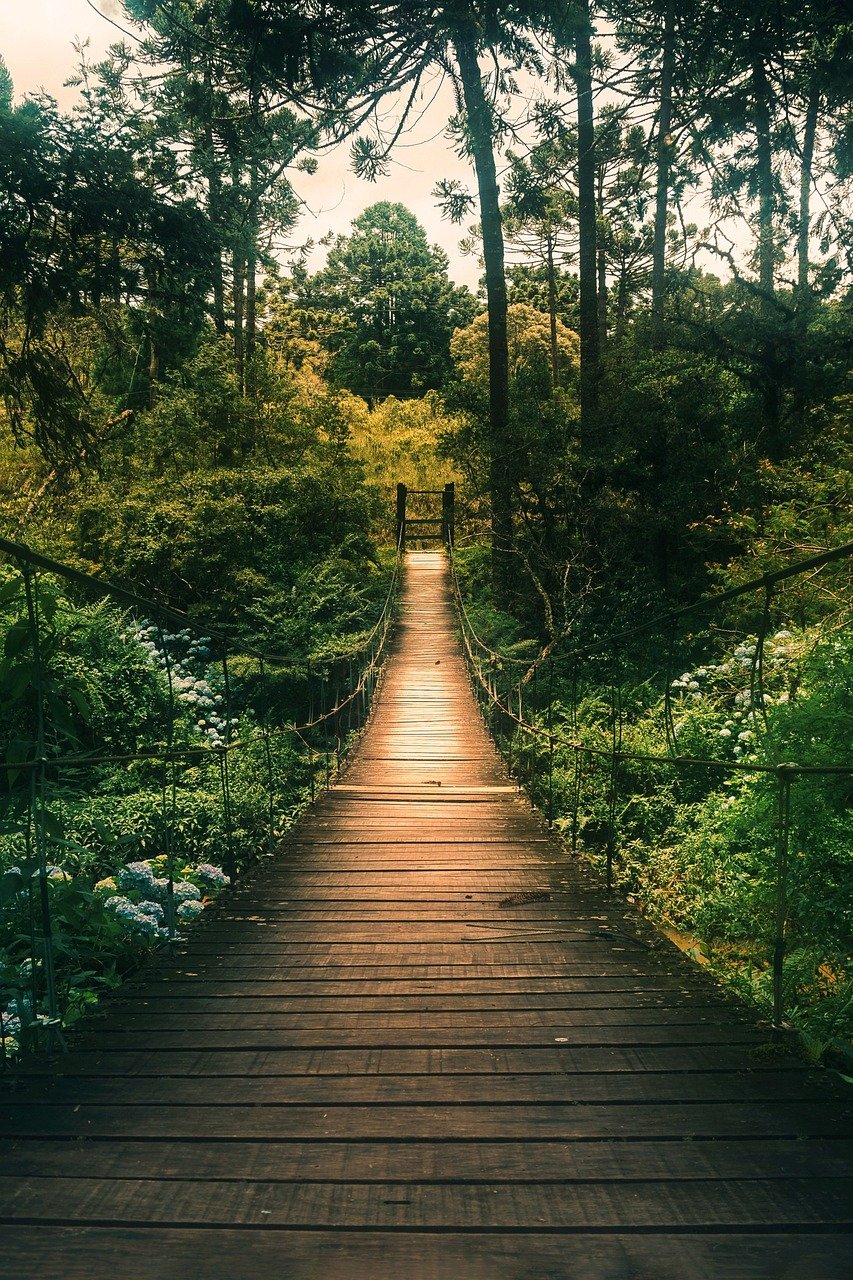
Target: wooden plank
405, 1037
553, 1059
513, 950
435, 1089
327, 969
779, 1159
674, 1015
81, 1253
341, 1006
476, 1206
467, 989
486, 1122
423, 1042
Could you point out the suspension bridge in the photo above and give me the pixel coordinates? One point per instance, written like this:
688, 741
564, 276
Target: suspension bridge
425, 1043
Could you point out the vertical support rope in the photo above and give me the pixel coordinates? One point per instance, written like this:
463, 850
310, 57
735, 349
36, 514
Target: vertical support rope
31, 906
576, 780
551, 741
668, 717
615, 748
757, 674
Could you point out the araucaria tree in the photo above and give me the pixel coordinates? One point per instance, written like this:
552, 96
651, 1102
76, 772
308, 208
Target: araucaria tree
392, 306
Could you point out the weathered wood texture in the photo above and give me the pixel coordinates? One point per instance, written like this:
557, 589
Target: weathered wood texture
424, 1044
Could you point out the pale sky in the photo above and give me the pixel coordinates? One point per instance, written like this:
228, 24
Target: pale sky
36, 41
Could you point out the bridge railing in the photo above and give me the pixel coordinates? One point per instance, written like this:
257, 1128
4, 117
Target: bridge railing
567, 724
224, 712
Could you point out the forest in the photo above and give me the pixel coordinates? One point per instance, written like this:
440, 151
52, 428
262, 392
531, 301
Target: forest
644, 404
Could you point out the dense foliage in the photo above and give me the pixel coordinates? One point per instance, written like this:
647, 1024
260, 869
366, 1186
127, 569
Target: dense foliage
191, 412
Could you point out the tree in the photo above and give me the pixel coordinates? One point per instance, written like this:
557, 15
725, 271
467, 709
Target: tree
543, 419
650, 36
530, 284
530, 338
230, 140
339, 60
86, 241
537, 218
663, 155
392, 306
590, 334
7, 88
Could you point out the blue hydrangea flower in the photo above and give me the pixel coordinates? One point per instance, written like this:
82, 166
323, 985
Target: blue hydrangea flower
214, 877
186, 892
143, 918
190, 909
136, 877
11, 1023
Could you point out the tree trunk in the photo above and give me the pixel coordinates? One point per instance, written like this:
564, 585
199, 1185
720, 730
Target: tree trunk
153, 370
622, 301
237, 314
153, 289
764, 161
590, 349
766, 246
602, 297
252, 232
804, 228
238, 290
552, 308
214, 204
480, 136
251, 294
664, 163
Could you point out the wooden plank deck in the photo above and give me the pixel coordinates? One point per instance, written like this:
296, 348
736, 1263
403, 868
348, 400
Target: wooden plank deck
424, 1046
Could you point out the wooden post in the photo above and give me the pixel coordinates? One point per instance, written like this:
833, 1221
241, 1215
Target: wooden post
402, 491
448, 501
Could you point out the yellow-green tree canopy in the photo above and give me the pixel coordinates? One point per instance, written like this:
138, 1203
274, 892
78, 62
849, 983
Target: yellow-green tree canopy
530, 348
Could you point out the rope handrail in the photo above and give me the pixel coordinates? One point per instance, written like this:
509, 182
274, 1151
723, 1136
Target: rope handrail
148, 606
507, 707
538, 730
766, 582
24, 554
325, 735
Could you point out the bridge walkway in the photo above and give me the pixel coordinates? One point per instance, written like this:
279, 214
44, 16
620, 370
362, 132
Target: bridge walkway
423, 1044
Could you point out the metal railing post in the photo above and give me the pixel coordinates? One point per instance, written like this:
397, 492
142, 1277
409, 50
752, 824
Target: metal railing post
402, 493
40, 818
448, 517
784, 776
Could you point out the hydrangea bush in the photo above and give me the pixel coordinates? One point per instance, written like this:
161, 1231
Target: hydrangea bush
137, 898
695, 845
187, 660
108, 924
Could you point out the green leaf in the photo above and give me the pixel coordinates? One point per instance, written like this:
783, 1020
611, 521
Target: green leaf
17, 679
11, 884
18, 751
52, 825
11, 590
60, 718
81, 702
17, 638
